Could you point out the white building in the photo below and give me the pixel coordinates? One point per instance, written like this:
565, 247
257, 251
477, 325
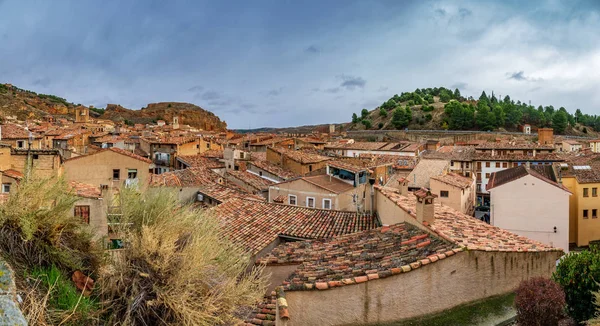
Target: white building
527, 203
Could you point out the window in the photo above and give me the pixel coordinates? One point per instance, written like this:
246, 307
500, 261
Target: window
487, 164
20, 144
585, 213
36, 156
451, 163
515, 164
444, 194
478, 165
586, 192
326, 203
198, 146
467, 165
116, 174
6, 187
260, 173
487, 175
497, 164
132, 174
310, 168
83, 212
310, 202
468, 174
504, 164
594, 213
594, 192
292, 200
207, 145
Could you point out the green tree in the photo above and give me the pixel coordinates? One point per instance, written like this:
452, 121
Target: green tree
484, 118
366, 123
559, 122
445, 96
399, 118
354, 118
364, 113
499, 115
457, 94
382, 112
578, 274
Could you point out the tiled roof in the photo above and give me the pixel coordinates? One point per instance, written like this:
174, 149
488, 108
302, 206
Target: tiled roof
466, 230
452, 153
172, 140
300, 156
552, 157
274, 169
269, 141
255, 224
12, 131
425, 169
357, 257
346, 166
190, 177
348, 260
116, 150
85, 190
251, 179
223, 193
505, 176
329, 183
258, 156
13, 174
109, 139
513, 145
455, 180
200, 161
213, 153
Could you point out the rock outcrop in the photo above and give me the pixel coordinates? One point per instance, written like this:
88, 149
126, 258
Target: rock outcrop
10, 314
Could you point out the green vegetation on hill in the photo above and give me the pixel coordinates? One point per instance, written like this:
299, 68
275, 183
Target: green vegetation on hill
437, 108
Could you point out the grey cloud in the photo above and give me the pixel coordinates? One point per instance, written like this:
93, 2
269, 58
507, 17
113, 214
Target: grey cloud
195, 89
352, 82
211, 95
312, 49
332, 90
274, 92
44, 82
464, 12
440, 12
459, 85
520, 76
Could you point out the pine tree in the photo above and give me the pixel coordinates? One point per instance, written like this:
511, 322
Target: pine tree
354, 118
559, 122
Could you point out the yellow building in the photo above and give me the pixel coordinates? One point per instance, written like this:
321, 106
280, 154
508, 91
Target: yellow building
584, 205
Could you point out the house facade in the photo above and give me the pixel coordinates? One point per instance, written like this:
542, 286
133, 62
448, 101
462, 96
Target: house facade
526, 203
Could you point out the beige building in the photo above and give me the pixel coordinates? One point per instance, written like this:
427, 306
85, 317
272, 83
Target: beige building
19, 137
527, 203
455, 191
113, 167
569, 145
299, 162
90, 208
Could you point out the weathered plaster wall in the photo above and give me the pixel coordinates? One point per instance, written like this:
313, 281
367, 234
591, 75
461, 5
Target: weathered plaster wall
10, 314
464, 277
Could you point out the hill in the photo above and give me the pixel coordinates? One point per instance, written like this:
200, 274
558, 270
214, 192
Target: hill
441, 108
24, 104
188, 114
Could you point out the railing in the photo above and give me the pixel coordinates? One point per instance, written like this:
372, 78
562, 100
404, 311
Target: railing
161, 161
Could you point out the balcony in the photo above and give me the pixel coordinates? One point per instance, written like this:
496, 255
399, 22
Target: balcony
161, 161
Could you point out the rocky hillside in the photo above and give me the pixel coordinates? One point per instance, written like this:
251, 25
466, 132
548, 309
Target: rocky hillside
24, 104
189, 114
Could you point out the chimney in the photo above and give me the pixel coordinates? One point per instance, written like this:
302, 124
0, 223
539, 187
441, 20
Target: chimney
403, 183
425, 210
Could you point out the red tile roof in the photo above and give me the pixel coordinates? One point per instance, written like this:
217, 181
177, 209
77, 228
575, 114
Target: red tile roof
200, 161
223, 193
455, 180
300, 156
255, 225
190, 177
13, 174
274, 169
12, 131
251, 179
505, 176
116, 150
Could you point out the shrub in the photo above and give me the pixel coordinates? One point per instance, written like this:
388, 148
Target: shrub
584, 130
383, 112
380, 125
427, 108
539, 302
429, 117
177, 267
367, 123
577, 274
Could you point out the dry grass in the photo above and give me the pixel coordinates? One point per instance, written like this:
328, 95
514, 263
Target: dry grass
177, 268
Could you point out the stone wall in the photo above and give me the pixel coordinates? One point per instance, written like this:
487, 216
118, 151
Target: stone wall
465, 277
10, 314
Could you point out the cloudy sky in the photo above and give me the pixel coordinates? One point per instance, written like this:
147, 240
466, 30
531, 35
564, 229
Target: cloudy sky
284, 63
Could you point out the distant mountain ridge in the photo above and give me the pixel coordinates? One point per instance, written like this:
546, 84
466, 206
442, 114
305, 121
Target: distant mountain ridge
25, 104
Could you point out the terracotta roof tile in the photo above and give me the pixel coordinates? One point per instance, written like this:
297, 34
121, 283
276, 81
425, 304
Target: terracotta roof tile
116, 150
200, 161
300, 156
190, 177
505, 176
251, 179
257, 224
13, 174
454, 179
274, 169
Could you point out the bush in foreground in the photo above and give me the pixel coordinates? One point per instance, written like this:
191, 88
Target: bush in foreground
539, 302
176, 268
577, 274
